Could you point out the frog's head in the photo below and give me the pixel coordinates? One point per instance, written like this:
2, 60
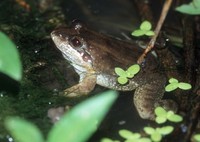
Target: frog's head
72, 46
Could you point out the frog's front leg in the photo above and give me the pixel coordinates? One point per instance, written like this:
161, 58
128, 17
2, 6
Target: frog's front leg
84, 87
148, 96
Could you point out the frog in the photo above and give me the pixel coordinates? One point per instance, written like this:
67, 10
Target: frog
94, 56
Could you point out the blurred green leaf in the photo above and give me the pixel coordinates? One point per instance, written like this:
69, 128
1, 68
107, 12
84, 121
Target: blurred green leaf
173, 80
192, 8
160, 119
138, 33
175, 118
122, 80
23, 131
134, 69
171, 87
82, 121
143, 140
149, 130
149, 33
159, 111
108, 140
156, 136
145, 26
184, 86
161, 115
129, 135
197, 137
129, 74
120, 72
166, 130
10, 63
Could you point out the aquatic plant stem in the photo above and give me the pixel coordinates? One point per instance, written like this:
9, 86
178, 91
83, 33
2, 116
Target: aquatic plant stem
151, 44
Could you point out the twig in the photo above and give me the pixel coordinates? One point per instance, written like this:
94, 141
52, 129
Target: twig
163, 15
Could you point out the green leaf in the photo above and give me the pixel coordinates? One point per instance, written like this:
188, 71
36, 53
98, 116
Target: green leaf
134, 69
138, 33
171, 87
159, 111
145, 26
170, 113
129, 74
82, 121
149, 130
173, 80
156, 137
120, 72
184, 86
166, 130
149, 33
196, 3
160, 120
144, 140
129, 135
122, 80
191, 9
175, 118
108, 140
23, 131
197, 137
10, 63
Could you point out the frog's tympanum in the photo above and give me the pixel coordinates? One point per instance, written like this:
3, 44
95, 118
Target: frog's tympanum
94, 57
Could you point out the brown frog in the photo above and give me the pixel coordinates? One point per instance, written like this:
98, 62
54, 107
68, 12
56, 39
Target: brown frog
94, 57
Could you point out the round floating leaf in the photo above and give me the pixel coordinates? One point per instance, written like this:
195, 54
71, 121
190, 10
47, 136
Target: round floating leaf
149, 130
129, 74
173, 80
23, 131
170, 113
184, 86
159, 111
134, 69
146, 26
122, 80
160, 120
120, 72
143, 140
108, 140
138, 33
166, 130
171, 87
150, 33
10, 63
175, 118
128, 134
156, 136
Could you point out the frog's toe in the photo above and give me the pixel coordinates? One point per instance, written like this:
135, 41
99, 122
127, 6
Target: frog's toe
72, 92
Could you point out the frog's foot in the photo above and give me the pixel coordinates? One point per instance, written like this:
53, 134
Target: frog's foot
147, 95
84, 87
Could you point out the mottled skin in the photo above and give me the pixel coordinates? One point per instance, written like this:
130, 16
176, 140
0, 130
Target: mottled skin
94, 57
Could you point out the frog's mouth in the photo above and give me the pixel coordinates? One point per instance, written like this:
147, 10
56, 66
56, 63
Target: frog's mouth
76, 58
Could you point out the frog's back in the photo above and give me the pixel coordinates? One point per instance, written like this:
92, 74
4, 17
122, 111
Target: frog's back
108, 53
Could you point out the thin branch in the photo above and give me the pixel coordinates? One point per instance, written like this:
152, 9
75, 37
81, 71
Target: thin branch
151, 44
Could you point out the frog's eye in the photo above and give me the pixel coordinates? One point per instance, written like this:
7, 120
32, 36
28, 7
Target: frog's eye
75, 42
